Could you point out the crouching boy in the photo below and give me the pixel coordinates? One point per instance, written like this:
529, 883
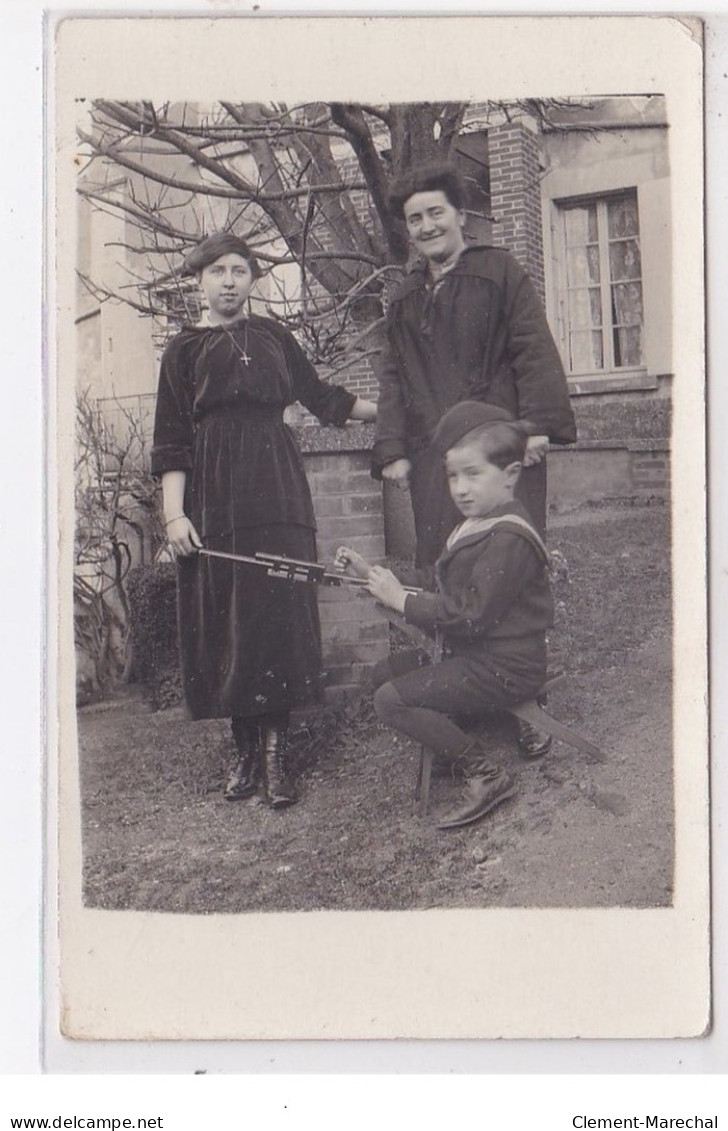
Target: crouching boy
491, 604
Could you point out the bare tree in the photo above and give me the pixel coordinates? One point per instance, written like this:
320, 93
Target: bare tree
116, 517
308, 184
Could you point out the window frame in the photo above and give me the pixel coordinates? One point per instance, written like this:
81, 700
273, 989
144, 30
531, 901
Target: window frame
610, 376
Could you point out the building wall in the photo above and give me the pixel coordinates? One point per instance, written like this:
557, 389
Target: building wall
516, 164
348, 507
596, 164
116, 351
623, 445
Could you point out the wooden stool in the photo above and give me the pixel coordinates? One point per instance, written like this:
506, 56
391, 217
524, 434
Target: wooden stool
531, 712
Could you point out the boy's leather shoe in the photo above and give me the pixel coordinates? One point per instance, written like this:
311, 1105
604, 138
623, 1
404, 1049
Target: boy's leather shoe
481, 793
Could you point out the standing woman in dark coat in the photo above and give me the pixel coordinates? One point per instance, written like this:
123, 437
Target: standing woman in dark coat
466, 323
233, 481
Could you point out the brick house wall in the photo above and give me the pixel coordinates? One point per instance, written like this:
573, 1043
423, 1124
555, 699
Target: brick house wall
348, 507
515, 185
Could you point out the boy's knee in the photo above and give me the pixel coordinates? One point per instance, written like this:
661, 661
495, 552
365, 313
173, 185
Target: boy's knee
387, 703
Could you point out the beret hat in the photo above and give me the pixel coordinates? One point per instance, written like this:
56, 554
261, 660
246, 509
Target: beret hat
463, 418
212, 247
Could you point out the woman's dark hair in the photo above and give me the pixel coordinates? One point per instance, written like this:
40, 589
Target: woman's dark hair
432, 177
501, 444
212, 247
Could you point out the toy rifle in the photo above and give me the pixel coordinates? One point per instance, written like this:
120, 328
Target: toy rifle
290, 569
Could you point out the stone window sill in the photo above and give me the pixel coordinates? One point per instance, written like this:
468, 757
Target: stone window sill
635, 380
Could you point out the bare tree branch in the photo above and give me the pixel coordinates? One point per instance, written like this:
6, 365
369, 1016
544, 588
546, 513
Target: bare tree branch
309, 184
352, 120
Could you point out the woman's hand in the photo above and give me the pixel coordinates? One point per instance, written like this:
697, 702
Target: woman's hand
397, 472
363, 410
536, 449
349, 562
385, 588
182, 537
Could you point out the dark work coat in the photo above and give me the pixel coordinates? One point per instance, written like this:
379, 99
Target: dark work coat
480, 334
249, 644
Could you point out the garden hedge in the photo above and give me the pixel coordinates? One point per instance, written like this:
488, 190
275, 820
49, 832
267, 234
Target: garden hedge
152, 593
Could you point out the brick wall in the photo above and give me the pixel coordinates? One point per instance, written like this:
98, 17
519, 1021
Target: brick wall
515, 182
359, 378
348, 506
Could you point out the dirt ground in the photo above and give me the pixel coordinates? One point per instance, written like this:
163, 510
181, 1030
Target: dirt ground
581, 832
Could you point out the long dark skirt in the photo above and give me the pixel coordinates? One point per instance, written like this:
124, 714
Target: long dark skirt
436, 515
249, 644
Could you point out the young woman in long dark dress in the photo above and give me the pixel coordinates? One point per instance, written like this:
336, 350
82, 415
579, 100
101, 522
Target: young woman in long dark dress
233, 481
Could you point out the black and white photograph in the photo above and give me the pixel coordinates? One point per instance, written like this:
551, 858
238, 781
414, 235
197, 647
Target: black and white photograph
390, 267
378, 413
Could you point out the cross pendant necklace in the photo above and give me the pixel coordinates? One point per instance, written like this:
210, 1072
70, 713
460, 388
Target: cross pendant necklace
242, 353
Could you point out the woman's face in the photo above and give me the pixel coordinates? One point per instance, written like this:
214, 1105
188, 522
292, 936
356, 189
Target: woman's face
226, 284
434, 225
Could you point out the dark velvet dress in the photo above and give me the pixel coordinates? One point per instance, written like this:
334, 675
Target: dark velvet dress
250, 645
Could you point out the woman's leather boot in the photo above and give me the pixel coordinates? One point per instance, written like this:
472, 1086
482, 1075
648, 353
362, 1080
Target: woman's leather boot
279, 788
245, 774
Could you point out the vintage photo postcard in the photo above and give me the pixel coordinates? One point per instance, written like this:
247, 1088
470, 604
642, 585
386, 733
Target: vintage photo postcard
377, 427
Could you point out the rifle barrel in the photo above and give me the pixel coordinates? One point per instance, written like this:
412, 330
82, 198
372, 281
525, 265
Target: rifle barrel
292, 569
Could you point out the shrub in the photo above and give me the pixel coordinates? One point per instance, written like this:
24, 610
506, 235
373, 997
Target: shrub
152, 594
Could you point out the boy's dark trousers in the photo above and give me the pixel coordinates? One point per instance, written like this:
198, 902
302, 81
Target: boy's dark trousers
422, 700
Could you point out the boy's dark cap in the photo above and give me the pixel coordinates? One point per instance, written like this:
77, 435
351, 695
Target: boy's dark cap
212, 247
463, 418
